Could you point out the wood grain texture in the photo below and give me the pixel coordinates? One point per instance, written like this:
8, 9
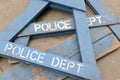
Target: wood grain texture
108, 65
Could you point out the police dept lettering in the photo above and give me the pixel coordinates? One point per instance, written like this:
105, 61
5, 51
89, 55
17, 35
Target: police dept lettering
42, 58
53, 26
65, 24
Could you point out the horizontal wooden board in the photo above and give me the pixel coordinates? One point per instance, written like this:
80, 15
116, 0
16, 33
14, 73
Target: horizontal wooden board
116, 30
72, 52
106, 45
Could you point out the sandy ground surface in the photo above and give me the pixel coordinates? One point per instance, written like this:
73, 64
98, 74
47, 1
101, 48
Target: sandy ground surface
9, 9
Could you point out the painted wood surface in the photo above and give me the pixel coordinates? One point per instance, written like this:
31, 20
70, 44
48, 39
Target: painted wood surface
28, 15
113, 37
116, 30
32, 73
96, 7
74, 4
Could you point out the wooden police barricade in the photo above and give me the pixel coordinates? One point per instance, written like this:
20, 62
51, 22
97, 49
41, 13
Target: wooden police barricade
76, 10
56, 27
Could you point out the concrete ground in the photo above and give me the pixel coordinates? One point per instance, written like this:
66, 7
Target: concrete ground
10, 9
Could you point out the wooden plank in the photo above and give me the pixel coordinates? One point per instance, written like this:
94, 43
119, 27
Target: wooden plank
116, 30
74, 4
62, 26
18, 71
96, 33
59, 7
84, 42
33, 9
99, 33
72, 52
23, 41
96, 7
106, 45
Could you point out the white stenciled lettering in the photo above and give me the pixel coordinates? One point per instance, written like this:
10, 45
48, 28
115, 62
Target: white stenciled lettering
67, 24
41, 57
28, 53
65, 64
33, 55
70, 65
91, 20
16, 50
99, 19
79, 67
8, 47
45, 27
37, 27
60, 25
55, 62
52, 26
21, 52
